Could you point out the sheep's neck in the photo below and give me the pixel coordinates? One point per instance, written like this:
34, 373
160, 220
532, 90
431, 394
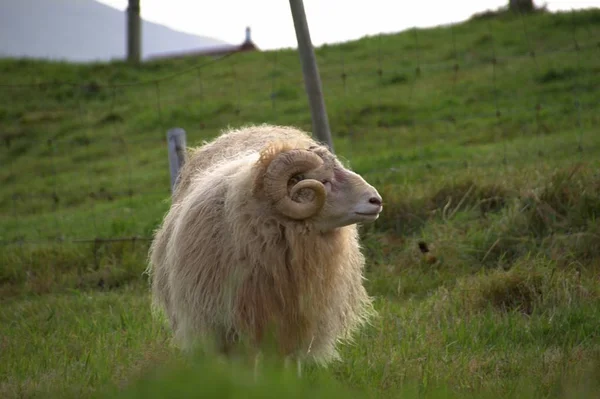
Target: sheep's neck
293, 284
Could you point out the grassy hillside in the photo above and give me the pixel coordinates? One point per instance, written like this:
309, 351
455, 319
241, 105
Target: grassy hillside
482, 138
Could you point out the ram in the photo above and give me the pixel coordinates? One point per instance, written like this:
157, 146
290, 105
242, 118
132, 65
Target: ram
261, 241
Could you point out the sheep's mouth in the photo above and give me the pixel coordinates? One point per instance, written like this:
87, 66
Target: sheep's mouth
368, 215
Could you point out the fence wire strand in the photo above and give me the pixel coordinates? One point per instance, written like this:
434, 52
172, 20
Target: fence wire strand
242, 101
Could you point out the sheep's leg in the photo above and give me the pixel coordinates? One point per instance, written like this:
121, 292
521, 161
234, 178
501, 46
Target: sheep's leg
287, 362
224, 347
299, 367
256, 366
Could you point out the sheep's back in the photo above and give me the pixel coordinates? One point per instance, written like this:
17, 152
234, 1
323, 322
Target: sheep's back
199, 258
231, 144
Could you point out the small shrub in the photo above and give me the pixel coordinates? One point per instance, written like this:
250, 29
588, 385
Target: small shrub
555, 75
110, 118
467, 194
567, 202
506, 291
396, 78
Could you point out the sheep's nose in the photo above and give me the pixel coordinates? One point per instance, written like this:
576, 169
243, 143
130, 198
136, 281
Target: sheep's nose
375, 201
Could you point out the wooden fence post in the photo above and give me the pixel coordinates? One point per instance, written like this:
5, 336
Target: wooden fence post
134, 32
312, 80
176, 142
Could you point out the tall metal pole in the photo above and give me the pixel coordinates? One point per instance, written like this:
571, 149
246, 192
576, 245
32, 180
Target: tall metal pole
312, 81
134, 32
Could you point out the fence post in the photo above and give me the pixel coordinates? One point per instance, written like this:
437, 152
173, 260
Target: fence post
134, 32
176, 142
312, 81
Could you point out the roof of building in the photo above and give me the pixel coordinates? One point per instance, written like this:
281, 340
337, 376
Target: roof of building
246, 45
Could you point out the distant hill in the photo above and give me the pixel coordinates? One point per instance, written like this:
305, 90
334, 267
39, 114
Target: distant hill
82, 31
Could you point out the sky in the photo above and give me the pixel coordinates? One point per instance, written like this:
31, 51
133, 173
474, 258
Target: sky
329, 21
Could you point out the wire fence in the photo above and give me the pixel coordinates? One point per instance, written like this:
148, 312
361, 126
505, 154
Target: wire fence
87, 159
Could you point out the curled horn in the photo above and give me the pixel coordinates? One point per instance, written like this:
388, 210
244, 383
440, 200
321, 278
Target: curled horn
281, 170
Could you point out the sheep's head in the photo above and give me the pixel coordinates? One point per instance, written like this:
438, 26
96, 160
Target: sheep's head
312, 184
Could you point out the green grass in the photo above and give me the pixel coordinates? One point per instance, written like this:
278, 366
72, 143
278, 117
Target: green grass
494, 165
